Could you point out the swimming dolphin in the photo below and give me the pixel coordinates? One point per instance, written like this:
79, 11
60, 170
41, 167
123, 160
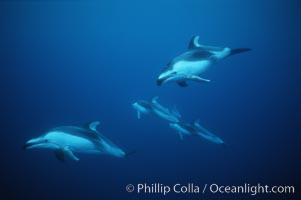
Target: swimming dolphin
206, 134
154, 107
164, 113
189, 65
195, 129
183, 129
142, 107
65, 140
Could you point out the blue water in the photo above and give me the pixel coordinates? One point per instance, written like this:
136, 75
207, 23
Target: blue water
71, 62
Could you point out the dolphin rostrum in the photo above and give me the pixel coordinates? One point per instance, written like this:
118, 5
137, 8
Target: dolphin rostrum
195, 61
66, 140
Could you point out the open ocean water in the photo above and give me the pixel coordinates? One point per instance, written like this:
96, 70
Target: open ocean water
71, 62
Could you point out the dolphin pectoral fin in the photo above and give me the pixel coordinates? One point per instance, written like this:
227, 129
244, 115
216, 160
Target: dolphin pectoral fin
199, 79
60, 154
182, 83
138, 115
69, 153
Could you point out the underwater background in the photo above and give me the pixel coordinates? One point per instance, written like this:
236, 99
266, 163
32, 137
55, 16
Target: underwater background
71, 62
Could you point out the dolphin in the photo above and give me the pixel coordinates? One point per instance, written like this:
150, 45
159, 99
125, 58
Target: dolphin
195, 61
66, 140
164, 113
195, 129
142, 107
182, 129
201, 131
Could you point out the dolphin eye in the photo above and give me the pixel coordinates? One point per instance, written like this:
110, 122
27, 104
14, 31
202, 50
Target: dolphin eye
174, 73
46, 140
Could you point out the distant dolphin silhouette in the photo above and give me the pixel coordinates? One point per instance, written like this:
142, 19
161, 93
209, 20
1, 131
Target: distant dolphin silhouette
183, 129
195, 129
164, 113
147, 107
189, 65
201, 131
65, 140
142, 106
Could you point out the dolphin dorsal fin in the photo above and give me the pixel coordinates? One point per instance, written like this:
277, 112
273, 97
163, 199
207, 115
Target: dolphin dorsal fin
93, 125
194, 42
154, 99
197, 123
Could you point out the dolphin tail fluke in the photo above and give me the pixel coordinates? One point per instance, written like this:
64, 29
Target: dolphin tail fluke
239, 50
